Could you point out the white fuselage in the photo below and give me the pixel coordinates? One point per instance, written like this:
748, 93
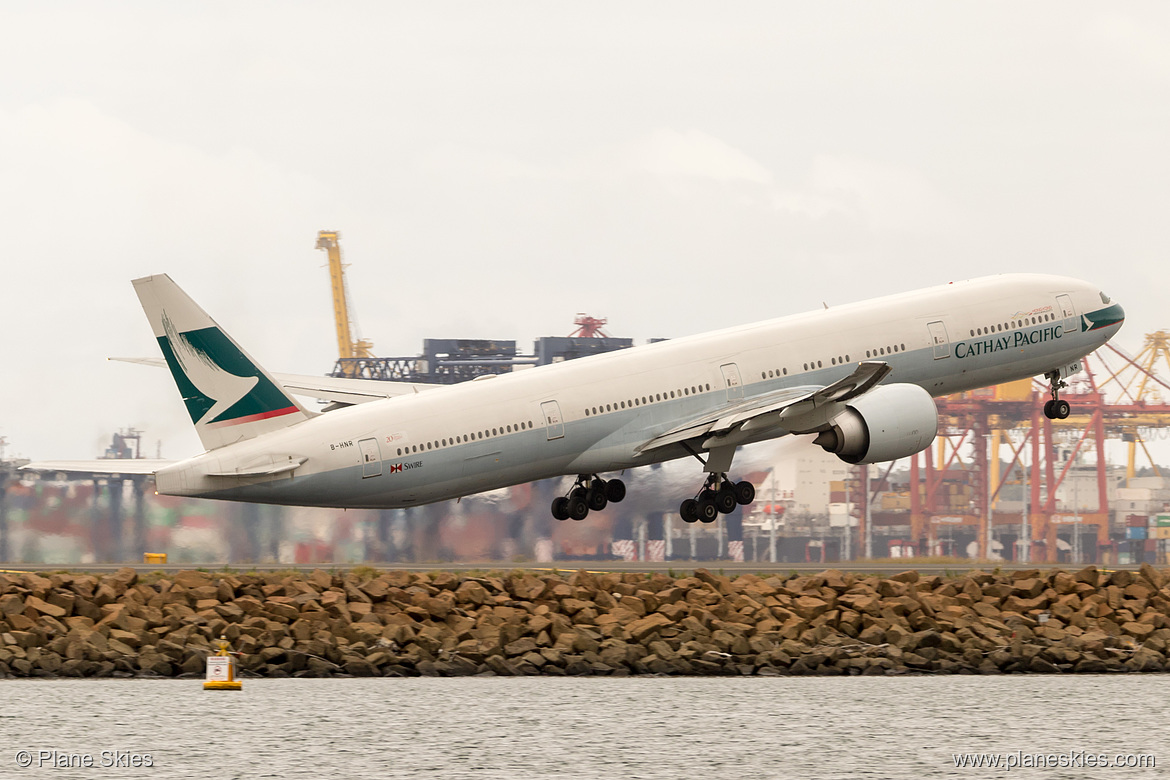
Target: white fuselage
593, 415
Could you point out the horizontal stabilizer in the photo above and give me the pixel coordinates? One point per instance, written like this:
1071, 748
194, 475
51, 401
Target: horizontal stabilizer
264, 469
101, 467
340, 390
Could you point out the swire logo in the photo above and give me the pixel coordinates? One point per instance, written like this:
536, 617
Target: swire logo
397, 467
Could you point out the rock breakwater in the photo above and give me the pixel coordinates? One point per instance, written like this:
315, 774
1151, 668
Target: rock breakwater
369, 623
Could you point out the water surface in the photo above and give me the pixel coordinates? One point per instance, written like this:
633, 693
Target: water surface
636, 728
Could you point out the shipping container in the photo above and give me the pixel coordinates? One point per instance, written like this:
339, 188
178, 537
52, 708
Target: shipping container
1135, 532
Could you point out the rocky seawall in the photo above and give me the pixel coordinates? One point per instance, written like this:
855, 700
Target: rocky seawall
369, 623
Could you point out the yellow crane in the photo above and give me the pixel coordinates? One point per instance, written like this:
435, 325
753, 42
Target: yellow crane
349, 343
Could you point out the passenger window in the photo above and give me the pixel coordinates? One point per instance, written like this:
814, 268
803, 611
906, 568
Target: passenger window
400, 451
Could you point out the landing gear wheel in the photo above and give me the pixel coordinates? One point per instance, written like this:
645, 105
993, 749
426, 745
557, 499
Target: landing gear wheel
578, 509
595, 498
745, 493
560, 508
725, 501
707, 510
706, 494
689, 510
615, 490
578, 492
1056, 409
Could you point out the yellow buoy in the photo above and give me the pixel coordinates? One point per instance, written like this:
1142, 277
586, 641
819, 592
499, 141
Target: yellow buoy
221, 670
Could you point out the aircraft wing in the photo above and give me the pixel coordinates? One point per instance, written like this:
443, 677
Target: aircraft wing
328, 388
101, 467
794, 409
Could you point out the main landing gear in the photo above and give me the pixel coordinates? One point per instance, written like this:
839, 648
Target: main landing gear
718, 496
589, 493
1056, 409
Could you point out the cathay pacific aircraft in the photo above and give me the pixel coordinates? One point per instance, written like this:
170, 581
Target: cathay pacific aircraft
861, 377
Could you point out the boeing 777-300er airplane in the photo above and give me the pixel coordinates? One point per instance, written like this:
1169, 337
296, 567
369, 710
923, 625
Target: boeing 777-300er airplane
862, 377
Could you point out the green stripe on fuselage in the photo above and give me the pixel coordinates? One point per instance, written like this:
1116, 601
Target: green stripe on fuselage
1102, 318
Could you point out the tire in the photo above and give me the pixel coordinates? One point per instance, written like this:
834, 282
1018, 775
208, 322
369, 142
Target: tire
1049, 412
1061, 409
560, 508
578, 509
577, 491
707, 511
615, 490
689, 511
745, 493
706, 494
596, 499
725, 501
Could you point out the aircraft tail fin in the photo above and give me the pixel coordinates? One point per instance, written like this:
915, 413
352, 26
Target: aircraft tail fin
228, 395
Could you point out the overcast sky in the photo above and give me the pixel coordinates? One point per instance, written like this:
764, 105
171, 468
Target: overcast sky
496, 168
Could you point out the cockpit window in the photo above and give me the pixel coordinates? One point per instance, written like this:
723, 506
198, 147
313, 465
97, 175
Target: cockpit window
1104, 298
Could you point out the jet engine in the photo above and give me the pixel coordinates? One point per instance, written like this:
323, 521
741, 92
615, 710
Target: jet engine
887, 423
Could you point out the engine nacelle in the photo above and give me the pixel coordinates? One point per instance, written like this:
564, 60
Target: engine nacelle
887, 423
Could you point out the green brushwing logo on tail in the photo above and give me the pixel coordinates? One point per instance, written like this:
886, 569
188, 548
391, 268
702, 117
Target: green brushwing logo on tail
219, 384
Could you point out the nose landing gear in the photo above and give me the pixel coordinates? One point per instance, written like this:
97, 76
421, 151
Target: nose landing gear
1056, 408
590, 493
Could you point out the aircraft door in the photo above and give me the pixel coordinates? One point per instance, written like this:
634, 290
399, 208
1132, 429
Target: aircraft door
371, 458
553, 422
938, 337
733, 382
1068, 311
